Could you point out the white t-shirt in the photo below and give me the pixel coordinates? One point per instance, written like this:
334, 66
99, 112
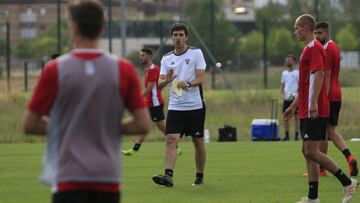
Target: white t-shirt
290, 79
184, 67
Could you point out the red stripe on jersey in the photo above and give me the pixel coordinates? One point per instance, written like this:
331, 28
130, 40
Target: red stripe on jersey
87, 54
333, 62
46, 90
154, 98
312, 59
75, 186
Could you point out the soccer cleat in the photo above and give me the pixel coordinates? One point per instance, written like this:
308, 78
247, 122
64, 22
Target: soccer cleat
350, 191
307, 200
198, 181
178, 151
322, 173
163, 180
352, 165
128, 152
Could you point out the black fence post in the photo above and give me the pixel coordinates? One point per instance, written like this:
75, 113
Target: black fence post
26, 76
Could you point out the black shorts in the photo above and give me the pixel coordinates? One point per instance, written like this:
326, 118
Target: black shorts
157, 113
334, 112
86, 197
286, 104
313, 129
188, 123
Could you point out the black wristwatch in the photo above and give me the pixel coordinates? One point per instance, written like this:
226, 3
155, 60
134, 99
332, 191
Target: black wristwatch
189, 84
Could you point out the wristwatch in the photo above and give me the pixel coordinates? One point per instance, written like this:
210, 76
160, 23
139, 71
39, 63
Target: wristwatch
188, 84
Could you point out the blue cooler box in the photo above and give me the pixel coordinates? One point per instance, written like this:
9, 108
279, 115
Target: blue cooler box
265, 130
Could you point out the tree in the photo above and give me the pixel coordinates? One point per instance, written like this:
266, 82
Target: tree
273, 13
198, 13
23, 49
251, 50
281, 43
346, 38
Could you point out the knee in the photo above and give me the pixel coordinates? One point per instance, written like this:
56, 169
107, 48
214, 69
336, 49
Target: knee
310, 154
171, 140
198, 142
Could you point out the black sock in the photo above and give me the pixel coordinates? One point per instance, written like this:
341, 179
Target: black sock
346, 153
345, 181
296, 134
200, 175
313, 189
136, 147
287, 134
169, 172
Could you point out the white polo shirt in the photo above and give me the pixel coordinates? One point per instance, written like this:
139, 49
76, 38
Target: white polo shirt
184, 66
290, 79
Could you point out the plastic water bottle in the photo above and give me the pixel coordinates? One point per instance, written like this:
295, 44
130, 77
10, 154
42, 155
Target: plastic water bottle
207, 135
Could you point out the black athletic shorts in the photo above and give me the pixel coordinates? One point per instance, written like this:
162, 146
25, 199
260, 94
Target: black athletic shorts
188, 123
313, 129
157, 113
286, 104
334, 112
86, 197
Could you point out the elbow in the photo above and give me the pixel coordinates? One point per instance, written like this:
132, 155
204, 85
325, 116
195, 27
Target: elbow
27, 129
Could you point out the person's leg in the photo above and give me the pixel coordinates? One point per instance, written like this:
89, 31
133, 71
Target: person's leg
340, 144
200, 154
286, 104
171, 141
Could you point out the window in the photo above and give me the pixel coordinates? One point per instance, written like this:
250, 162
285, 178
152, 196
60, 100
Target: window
43, 10
28, 33
28, 16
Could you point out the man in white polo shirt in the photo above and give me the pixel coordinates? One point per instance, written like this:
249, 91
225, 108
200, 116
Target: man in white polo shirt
184, 68
289, 90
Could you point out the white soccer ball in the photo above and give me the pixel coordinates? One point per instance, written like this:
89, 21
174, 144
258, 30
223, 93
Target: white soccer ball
218, 65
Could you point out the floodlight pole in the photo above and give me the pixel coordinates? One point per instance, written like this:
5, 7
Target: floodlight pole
123, 28
265, 53
8, 54
212, 31
58, 16
317, 10
110, 24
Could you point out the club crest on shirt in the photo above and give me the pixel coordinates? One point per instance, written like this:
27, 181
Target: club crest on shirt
187, 61
172, 63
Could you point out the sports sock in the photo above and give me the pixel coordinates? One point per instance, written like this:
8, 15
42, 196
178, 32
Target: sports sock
313, 189
296, 134
346, 153
200, 175
169, 172
136, 147
345, 181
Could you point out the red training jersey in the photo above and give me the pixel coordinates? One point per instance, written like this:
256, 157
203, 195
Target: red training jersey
312, 59
154, 98
333, 64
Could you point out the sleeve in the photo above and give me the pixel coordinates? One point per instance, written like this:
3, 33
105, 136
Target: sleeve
45, 91
130, 86
317, 59
329, 59
163, 68
153, 75
200, 61
282, 77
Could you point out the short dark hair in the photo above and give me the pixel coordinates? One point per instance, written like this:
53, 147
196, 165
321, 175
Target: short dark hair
291, 56
88, 16
54, 56
178, 27
147, 51
324, 25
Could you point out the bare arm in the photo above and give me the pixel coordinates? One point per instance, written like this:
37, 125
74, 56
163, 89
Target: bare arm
282, 88
148, 89
317, 84
140, 123
34, 123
